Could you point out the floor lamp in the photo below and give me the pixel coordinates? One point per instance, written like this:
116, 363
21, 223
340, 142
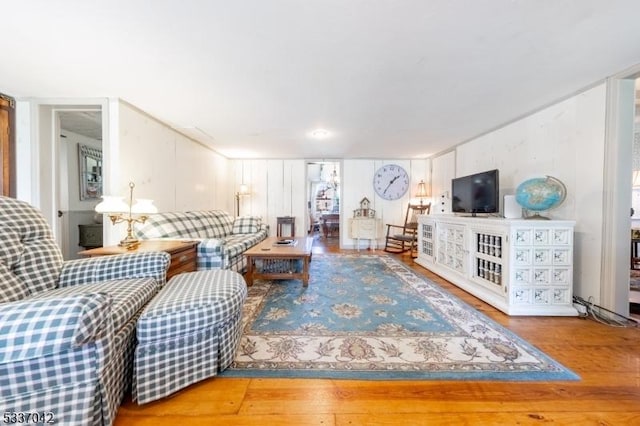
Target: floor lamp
242, 191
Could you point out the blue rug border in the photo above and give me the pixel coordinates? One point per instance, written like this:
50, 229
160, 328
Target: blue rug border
404, 376
502, 328
531, 376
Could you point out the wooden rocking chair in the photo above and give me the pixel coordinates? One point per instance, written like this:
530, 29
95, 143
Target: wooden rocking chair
404, 238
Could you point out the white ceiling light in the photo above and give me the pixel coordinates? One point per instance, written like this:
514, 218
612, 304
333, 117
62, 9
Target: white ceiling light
320, 134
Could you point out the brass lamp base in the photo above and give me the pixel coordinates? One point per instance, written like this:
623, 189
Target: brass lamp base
130, 243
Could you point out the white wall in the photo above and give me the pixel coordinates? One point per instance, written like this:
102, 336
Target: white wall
278, 188
443, 170
166, 166
566, 141
358, 183
176, 172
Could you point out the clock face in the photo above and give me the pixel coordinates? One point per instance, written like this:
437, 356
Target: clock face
391, 182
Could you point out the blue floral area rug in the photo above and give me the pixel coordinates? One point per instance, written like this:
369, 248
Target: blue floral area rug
371, 317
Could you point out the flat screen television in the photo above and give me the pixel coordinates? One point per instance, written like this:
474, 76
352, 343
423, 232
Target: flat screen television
477, 193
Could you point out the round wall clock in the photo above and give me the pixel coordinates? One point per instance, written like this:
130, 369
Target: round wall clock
391, 182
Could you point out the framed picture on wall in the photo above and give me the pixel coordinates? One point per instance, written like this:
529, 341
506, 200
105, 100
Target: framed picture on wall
90, 168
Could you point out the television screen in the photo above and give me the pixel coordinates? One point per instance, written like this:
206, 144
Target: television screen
477, 193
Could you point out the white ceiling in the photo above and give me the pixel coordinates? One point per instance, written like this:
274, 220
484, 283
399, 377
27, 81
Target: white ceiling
85, 123
388, 78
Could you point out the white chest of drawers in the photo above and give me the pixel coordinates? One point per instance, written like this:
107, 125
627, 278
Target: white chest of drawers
364, 228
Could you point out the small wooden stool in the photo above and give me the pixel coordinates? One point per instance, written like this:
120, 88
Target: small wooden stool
286, 220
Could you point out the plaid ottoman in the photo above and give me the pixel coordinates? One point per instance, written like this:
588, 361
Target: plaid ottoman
189, 331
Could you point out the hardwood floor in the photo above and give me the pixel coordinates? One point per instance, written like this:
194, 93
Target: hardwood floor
606, 358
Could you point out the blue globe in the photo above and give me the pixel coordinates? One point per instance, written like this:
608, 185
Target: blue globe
540, 194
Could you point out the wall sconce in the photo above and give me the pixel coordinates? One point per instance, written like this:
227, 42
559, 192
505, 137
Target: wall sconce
243, 190
422, 192
119, 211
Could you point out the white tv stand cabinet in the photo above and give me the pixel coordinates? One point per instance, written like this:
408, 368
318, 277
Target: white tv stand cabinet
521, 267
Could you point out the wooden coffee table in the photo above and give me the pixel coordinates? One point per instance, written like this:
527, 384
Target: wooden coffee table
269, 251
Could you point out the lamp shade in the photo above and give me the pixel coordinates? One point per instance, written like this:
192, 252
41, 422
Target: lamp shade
422, 190
144, 206
243, 189
112, 204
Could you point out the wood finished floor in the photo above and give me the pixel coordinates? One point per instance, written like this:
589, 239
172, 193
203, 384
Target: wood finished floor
606, 358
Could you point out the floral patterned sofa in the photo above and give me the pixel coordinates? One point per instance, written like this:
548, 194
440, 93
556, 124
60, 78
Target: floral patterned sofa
222, 239
67, 329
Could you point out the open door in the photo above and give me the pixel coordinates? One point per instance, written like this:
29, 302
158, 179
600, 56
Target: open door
7, 146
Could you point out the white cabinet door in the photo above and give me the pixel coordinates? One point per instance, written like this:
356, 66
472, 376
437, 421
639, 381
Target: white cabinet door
489, 258
451, 251
426, 239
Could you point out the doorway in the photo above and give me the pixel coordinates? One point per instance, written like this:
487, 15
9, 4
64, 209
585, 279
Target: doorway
80, 179
634, 276
323, 199
38, 170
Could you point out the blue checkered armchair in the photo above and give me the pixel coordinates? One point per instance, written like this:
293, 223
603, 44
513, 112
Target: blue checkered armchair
67, 329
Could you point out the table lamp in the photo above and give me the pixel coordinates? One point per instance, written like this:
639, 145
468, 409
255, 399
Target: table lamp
119, 211
422, 192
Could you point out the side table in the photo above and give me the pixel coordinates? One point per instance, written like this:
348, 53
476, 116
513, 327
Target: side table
183, 253
286, 220
365, 228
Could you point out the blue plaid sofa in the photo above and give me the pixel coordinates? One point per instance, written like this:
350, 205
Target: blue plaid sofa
222, 239
67, 329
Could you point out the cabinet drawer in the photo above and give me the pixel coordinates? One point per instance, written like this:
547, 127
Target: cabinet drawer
367, 234
364, 228
368, 225
183, 261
